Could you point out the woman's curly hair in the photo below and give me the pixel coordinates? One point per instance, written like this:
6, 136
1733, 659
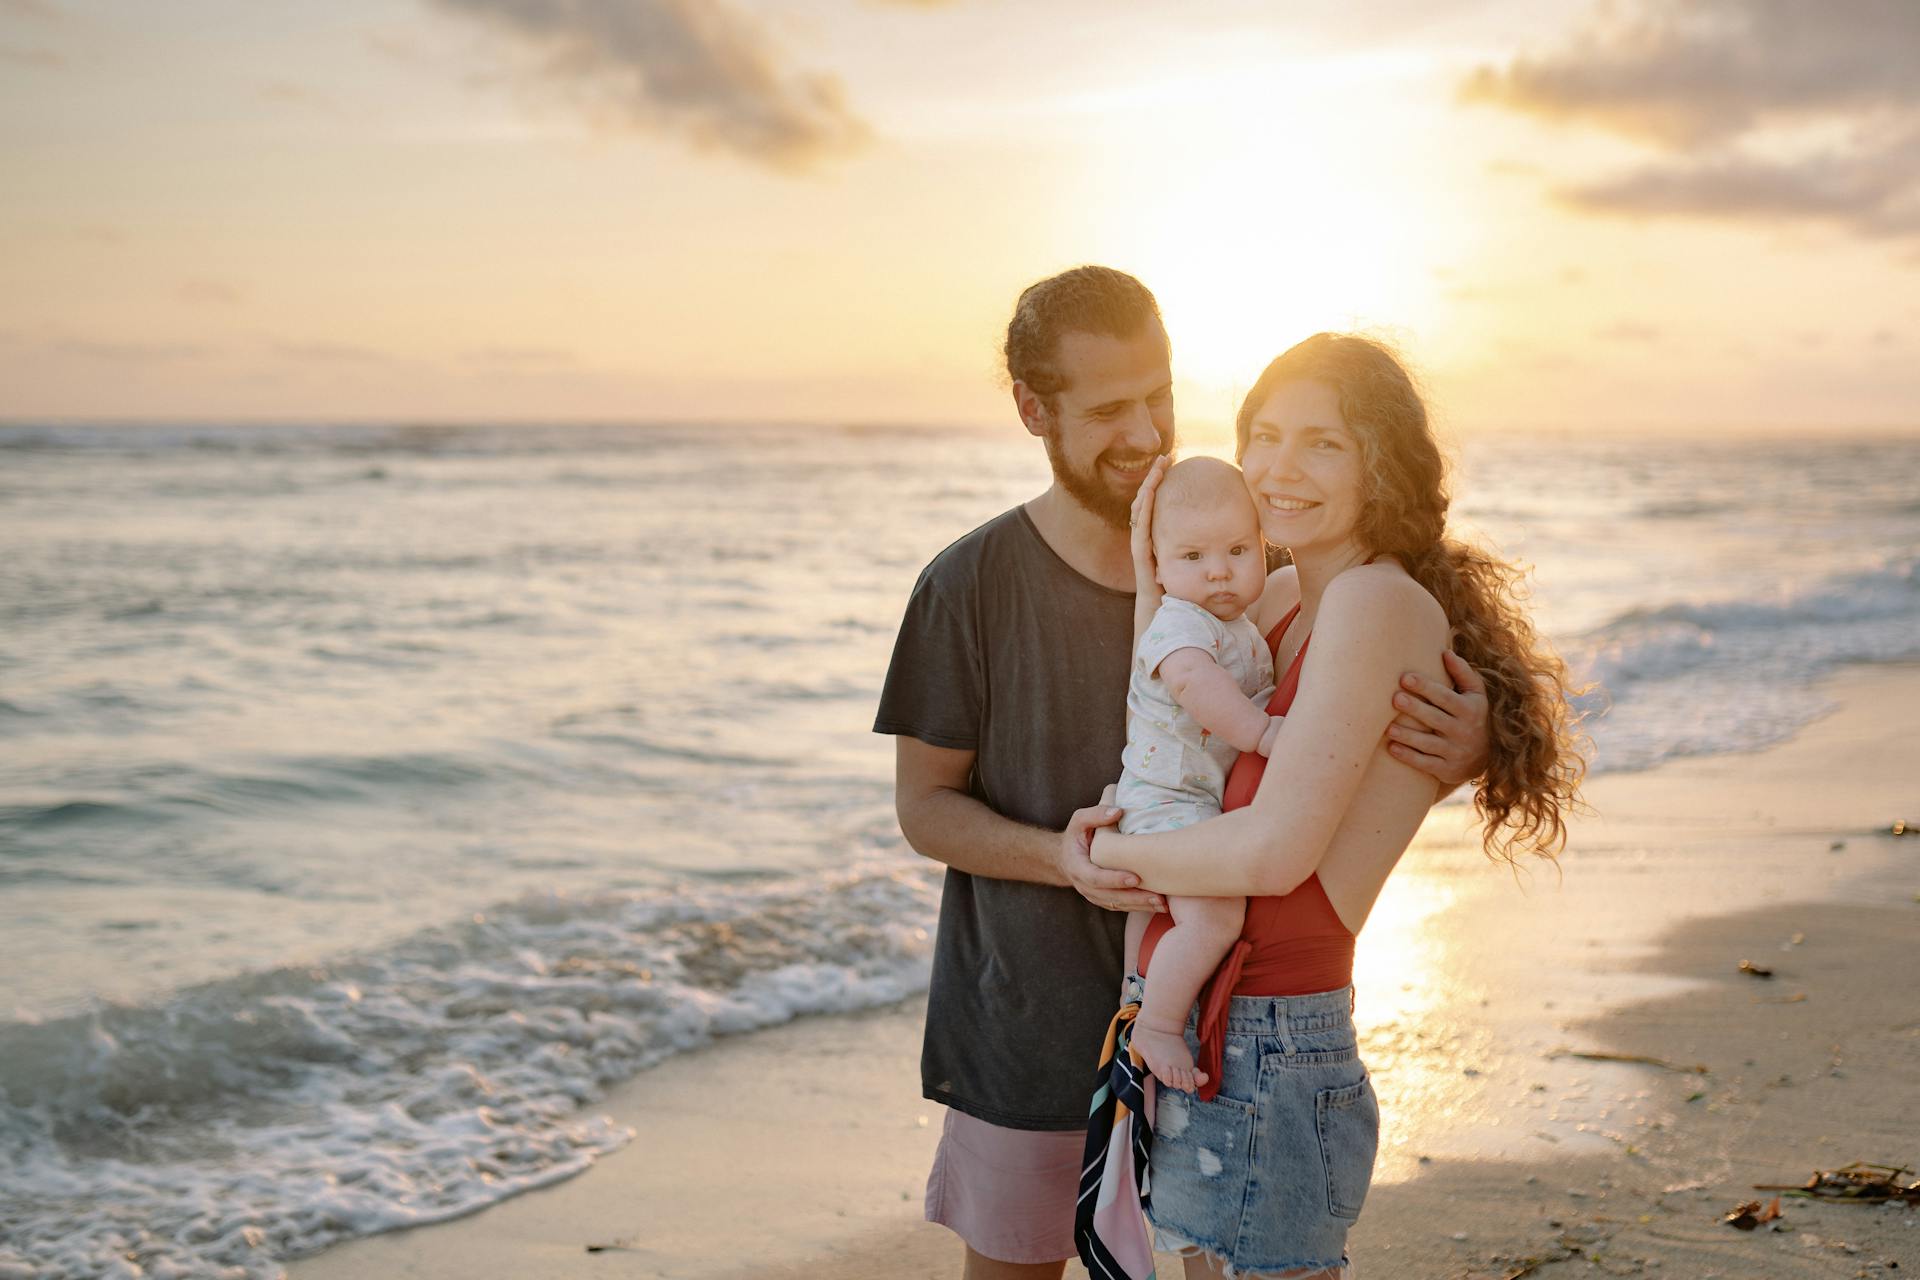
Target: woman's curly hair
1536, 763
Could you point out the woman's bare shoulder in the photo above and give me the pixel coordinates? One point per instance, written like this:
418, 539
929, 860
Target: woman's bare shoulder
1370, 595
1281, 593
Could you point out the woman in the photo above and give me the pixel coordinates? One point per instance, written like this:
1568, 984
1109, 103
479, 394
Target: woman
1263, 1172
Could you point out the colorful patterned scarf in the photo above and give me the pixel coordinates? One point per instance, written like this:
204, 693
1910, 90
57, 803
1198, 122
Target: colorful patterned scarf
1109, 1222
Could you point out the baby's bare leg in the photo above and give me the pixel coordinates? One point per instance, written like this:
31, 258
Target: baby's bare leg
1203, 930
1136, 930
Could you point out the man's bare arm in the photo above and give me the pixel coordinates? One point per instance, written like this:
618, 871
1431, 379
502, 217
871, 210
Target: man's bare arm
943, 822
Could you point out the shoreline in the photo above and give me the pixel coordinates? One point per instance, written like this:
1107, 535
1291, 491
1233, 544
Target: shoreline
804, 1148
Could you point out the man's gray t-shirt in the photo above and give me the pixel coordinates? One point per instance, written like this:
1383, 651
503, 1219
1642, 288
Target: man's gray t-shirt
1008, 652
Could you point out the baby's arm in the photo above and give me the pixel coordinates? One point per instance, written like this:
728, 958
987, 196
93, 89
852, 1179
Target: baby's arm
1207, 693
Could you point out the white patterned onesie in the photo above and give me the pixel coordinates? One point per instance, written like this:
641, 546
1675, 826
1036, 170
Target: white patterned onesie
1173, 770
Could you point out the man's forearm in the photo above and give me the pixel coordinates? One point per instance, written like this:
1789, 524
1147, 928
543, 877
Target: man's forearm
953, 827
1147, 597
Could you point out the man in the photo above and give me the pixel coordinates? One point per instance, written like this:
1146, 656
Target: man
1007, 699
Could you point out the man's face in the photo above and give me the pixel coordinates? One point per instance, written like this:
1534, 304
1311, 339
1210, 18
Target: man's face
1114, 417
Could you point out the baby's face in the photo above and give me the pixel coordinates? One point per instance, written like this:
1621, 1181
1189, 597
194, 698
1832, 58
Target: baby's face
1211, 555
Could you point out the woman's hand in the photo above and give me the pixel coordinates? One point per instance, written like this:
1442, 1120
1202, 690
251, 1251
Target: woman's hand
1442, 731
1114, 890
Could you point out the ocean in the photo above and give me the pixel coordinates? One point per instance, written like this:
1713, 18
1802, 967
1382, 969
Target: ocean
373, 798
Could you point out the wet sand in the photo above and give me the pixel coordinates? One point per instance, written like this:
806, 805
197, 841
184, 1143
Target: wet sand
802, 1151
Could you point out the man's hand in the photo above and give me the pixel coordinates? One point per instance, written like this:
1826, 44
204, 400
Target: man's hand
1146, 583
1440, 730
1140, 527
1114, 890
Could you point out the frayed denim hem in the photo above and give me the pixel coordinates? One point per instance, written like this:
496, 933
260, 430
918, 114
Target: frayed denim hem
1166, 1241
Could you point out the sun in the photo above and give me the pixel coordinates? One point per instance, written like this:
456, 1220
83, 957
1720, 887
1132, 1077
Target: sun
1256, 236
1248, 267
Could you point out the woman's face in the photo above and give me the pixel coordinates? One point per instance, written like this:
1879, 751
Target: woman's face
1302, 466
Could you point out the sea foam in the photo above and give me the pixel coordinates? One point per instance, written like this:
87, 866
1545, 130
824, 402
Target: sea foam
254, 1119
1687, 679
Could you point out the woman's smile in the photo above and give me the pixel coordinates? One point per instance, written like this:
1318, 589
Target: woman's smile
1301, 461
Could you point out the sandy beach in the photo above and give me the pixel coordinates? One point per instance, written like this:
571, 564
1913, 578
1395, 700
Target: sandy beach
803, 1150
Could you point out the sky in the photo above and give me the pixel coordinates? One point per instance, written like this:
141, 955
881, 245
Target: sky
1573, 216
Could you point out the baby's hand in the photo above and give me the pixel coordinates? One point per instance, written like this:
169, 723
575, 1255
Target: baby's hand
1273, 731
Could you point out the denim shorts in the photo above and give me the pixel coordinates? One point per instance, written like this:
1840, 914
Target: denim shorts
1269, 1176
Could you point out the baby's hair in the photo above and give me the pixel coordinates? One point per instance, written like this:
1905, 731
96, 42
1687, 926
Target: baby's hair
1195, 483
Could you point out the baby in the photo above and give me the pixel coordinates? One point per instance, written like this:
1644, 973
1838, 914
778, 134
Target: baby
1195, 699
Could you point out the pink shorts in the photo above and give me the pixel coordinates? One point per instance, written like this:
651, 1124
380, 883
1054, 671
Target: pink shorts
1009, 1193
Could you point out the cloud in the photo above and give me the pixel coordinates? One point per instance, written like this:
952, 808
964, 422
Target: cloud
335, 353
692, 69
1530, 289
1728, 92
46, 59
521, 358
1870, 188
398, 48
1628, 331
203, 291
126, 352
1694, 71
291, 93
38, 9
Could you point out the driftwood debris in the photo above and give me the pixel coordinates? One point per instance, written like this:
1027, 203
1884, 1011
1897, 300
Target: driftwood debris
626, 1246
1859, 1182
1695, 1069
1745, 1217
1590, 1243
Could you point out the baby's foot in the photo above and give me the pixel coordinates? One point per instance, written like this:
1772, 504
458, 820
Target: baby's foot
1167, 1058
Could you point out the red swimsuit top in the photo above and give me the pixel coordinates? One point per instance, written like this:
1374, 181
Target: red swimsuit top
1292, 945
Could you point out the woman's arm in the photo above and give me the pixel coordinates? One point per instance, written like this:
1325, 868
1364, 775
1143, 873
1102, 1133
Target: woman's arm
1372, 626
1146, 580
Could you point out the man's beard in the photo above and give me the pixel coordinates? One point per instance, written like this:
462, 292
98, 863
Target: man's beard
1090, 489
